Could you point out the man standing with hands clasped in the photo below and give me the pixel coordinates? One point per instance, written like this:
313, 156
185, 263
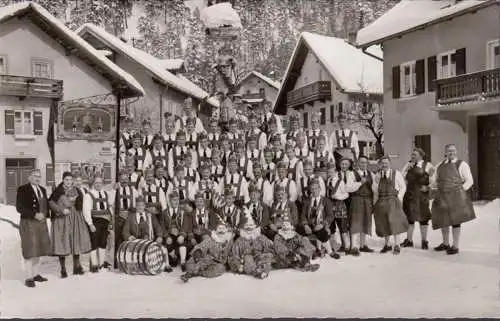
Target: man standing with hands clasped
32, 204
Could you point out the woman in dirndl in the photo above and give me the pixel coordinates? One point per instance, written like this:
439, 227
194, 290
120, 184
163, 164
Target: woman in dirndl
70, 234
388, 189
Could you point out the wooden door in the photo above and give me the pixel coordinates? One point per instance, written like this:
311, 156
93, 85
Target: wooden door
424, 142
489, 156
17, 173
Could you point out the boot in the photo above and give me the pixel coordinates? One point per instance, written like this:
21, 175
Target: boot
425, 245
355, 251
452, 250
397, 250
366, 249
407, 243
386, 249
62, 262
77, 267
441, 247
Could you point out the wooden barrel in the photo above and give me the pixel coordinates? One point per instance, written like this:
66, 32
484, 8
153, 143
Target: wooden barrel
140, 257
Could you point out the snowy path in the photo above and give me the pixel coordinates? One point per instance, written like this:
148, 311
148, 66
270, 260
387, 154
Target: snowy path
414, 284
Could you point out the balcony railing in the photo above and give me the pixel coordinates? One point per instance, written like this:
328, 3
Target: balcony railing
478, 86
253, 96
319, 90
30, 87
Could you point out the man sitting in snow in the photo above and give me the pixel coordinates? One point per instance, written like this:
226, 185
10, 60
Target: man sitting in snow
252, 252
209, 258
293, 250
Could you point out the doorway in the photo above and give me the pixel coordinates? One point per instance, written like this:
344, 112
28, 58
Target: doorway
17, 172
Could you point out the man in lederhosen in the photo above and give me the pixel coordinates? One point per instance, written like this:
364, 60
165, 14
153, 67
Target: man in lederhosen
125, 196
344, 142
154, 195
138, 152
237, 181
169, 135
263, 184
204, 152
287, 183
301, 148
32, 204
177, 152
295, 129
189, 112
254, 130
295, 168
452, 205
315, 132
303, 190
281, 207
203, 219
157, 156
213, 133
417, 173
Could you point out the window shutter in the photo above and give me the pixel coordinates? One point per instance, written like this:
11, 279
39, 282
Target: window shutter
332, 113
49, 174
323, 116
107, 173
9, 122
306, 120
420, 75
396, 84
38, 123
341, 108
460, 61
431, 73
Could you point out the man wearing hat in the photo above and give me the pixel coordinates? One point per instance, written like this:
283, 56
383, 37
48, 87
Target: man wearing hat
190, 168
177, 152
244, 163
294, 164
344, 141
204, 152
265, 187
283, 180
269, 117
203, 219
206, 185
281, 207
254, 130
252, 252
217, 170
147, 132
303, 186
213, 133
235, 180
292, 250
234, 133
135, 178
294, 127
268, 166
416, 200
138, 152
191, 134
161, 179
253, 152
169, 135
185, 187
277, 145
315, 132
301, 148
125, 196
226, 149
189, 112
322, 157
229, 213
157, 156
154, 195
209, 258
141, 224
257, 208
316, 218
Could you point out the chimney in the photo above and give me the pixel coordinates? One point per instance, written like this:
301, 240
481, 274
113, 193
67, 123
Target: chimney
351, 37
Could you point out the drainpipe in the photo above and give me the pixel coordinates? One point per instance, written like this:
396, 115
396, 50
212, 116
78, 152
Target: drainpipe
371, 55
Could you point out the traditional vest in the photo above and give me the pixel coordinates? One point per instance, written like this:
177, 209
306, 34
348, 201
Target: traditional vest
256, 212
162, 183
268, 171
364, 190
387, 187
299, 152
127, 142
201, 220
213, 139
237, 185
178, 152
160, 156
191, 174
232, 219
217, 172
152, 194
320, 161
342, 140
415, 177
97, 202
278, 158
134, 179
260, 185
316, 215
183, 188
287, 187
191, 140
306, 190
278, 213
312, 138
291, 135
292, 170
253, 155
242, 168
204, 155
147, 142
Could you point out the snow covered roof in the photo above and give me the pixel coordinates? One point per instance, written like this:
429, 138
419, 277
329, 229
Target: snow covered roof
268, 80
353, 70
410, 15
172, 64
85, 50
152, 64
220, 15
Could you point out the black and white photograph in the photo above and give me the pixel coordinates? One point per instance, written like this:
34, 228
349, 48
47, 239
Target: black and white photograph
249, 159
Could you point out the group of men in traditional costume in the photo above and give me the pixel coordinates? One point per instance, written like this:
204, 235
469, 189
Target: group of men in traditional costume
252, 200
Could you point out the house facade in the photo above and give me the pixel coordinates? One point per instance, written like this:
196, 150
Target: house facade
329, 76
165, 92
442, 83
256, 89
46, 71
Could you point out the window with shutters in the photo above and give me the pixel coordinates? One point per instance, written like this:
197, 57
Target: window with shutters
322, 119
3, 65
341, 108
23, 122
408, 79
367, 107
41, 68
446, 65
305, 119
332, 113
493, 54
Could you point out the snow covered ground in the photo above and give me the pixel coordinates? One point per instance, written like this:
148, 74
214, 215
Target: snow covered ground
414, 284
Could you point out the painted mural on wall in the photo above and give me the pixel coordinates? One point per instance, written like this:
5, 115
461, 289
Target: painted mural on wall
86, 120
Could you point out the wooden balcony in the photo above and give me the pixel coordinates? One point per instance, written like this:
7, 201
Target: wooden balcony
478, 86
21, 86
253, 96
319, 90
